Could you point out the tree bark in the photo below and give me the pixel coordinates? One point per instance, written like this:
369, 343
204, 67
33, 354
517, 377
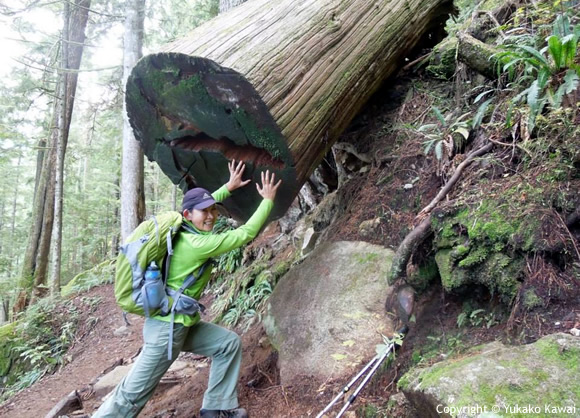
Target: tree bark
271, 83
30, 274
39, 288
132, 167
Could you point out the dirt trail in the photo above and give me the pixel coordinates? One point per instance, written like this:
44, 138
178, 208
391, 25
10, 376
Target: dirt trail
179, 394
91, 354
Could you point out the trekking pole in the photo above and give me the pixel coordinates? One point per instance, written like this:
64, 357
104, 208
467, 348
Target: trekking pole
392, 347
347, 387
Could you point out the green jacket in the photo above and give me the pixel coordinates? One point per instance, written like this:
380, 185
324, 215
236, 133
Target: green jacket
191, 251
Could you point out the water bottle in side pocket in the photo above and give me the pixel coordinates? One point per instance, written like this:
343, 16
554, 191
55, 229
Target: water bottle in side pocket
153, 290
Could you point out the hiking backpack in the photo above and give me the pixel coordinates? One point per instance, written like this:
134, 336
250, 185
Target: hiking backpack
150, 242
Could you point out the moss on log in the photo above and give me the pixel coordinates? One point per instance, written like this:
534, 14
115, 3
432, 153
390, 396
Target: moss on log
271, 83
478, 55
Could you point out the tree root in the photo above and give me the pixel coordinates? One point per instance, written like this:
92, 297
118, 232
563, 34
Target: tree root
407, 247
443, 192
423, 229
345, 146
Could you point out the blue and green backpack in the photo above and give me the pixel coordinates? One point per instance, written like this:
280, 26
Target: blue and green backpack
150, 242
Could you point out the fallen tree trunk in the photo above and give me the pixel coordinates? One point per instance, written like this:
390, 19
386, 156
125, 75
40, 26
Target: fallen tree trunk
271, 83
478, 55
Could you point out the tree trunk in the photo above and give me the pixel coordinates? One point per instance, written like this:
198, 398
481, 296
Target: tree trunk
75, 22
226, 5
14, 202
1, 222
39, 288
115, 233
272, 83
132, 168
29, 273
4, 309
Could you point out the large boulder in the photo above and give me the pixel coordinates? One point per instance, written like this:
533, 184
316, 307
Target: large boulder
326, 316
539, 379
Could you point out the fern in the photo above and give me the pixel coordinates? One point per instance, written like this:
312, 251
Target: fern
478, 118
569, 85
540, 69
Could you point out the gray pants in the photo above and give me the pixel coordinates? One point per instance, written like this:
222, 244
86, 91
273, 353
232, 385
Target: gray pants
222, 345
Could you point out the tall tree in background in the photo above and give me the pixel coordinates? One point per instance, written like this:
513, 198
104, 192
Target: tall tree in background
49, 181
75, 22
132, 168
226, 5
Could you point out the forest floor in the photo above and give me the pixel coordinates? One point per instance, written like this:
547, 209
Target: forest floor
260, 392
395, 192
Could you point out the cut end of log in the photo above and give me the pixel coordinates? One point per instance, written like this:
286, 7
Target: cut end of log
192, 116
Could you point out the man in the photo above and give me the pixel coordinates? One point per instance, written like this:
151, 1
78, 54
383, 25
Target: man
193, 247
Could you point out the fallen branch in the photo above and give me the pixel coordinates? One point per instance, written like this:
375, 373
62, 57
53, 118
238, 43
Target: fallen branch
477, 55
412, 63
443, 192
510, 146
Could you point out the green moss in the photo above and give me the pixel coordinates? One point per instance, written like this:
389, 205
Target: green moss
550, 350
486, 242
531, 300
532, 387
460, 251
281, 268
478, 255
5, 358
265, 275
404, 382
7, 330
6, 347
442, 63
365, 258
432, 375
451, 277
424, 275
490, 222
525, 237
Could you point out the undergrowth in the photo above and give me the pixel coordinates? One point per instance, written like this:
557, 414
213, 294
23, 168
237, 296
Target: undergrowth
42, 336
38, 342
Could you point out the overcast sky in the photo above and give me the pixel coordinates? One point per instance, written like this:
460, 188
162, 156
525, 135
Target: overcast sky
107, 53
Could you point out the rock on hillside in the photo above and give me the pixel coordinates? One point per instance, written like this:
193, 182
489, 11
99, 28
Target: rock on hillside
326, 315
540, 379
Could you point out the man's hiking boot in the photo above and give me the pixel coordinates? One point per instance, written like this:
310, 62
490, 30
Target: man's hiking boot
231, 413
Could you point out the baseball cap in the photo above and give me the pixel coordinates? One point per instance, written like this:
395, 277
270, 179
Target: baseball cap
197, 198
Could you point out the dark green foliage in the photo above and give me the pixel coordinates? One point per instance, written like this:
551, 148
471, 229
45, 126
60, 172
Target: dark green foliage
548, 72
229, 262
39, 342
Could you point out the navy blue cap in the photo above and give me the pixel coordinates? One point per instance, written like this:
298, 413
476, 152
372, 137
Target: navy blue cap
197, 198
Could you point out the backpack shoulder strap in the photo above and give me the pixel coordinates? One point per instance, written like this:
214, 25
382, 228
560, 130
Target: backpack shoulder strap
186, 227
170, 235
